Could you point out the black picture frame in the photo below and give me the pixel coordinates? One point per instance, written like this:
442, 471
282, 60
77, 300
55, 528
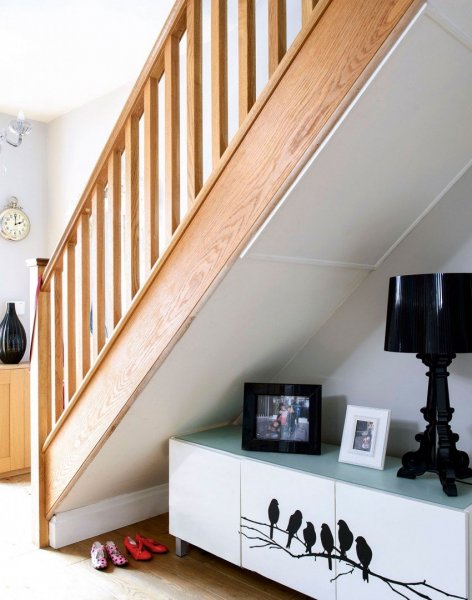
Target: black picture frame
265, 403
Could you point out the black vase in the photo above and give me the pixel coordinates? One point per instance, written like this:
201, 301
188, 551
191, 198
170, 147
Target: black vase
12, 337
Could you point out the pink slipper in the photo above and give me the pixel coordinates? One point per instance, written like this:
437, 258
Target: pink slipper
115, 555
97, 553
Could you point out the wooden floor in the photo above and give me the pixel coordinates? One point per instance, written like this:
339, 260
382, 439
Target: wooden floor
66, 574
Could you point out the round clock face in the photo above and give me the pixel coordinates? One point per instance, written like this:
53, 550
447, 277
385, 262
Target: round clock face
14, 224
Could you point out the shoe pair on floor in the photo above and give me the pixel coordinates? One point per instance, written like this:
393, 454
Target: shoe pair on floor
138, 548
101, 552
141, 547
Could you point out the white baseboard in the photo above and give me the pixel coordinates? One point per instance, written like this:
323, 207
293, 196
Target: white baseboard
81, 523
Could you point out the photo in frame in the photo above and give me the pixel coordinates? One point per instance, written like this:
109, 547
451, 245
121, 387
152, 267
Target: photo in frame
282, 417
365, 434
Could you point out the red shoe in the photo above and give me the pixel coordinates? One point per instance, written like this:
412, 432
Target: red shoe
135, 548
152, 545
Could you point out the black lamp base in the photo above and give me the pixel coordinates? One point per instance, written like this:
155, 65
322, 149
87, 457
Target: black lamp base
437, 452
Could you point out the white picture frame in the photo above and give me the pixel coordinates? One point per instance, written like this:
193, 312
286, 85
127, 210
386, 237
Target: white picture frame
365, 434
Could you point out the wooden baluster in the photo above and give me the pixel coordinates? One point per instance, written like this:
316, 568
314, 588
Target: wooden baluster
40, 399
172, 136
151, 181
247, 57
307, 9
70, 341
277, 33
98, 273
83, 331
114, 200
132, 207
57, 346
194, 99
219, 78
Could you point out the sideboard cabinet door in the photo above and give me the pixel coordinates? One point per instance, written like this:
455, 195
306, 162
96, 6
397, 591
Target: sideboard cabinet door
399, 543
300, 507
204, 499
14, 419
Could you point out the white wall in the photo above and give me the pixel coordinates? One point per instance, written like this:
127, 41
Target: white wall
75, 141
25, 178
346, 355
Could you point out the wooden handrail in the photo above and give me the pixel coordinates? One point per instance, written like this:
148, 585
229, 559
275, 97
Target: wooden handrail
152, 68
211, 182
104, 265
96, 247
294, 118
105, 287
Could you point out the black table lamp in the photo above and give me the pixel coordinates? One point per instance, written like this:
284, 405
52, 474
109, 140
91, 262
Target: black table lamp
431, 315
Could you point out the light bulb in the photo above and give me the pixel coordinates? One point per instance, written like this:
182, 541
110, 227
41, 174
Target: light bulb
21, 116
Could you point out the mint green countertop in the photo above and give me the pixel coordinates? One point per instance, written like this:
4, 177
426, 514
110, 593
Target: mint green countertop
426, 488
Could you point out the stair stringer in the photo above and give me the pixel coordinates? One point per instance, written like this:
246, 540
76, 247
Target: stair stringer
312, 87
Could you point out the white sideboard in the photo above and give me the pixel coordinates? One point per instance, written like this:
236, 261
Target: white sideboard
329, 530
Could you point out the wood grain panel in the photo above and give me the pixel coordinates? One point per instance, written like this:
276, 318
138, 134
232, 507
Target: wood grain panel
83, 289
219, 78
114, 207
18, 423
40, 402
291, 121
194, 99
70, 355
247, 56
277, 33
132, 208
172, 137
27, 421
98, 271
5, 427
307, 8
57, 347
151, 182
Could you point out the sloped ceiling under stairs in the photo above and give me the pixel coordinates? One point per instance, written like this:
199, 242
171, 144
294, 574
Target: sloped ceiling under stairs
399, 149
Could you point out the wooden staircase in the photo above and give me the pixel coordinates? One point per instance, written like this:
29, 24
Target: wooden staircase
114, 300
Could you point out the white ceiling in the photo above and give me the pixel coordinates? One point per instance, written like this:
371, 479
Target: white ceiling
394, 156
59, 55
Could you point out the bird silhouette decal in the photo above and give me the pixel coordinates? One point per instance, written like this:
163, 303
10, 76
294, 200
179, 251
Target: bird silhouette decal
327, 542
309, 535
345, 537
274, 514
294, 524
364, 554
343, 551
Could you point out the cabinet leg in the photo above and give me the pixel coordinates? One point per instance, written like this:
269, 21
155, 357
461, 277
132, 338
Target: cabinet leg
181, 547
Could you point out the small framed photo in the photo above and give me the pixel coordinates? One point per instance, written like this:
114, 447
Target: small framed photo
282, 417
365, 436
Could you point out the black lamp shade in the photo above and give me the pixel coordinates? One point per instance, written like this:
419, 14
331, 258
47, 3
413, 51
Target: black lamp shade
430, 314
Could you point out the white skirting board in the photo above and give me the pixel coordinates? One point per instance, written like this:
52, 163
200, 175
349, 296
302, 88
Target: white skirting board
87, 521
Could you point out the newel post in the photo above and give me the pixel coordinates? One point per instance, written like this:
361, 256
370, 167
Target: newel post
40, 395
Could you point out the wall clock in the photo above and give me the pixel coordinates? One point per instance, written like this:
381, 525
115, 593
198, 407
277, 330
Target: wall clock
14, 222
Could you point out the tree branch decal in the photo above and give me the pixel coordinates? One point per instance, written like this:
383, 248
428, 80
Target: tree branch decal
262, 534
